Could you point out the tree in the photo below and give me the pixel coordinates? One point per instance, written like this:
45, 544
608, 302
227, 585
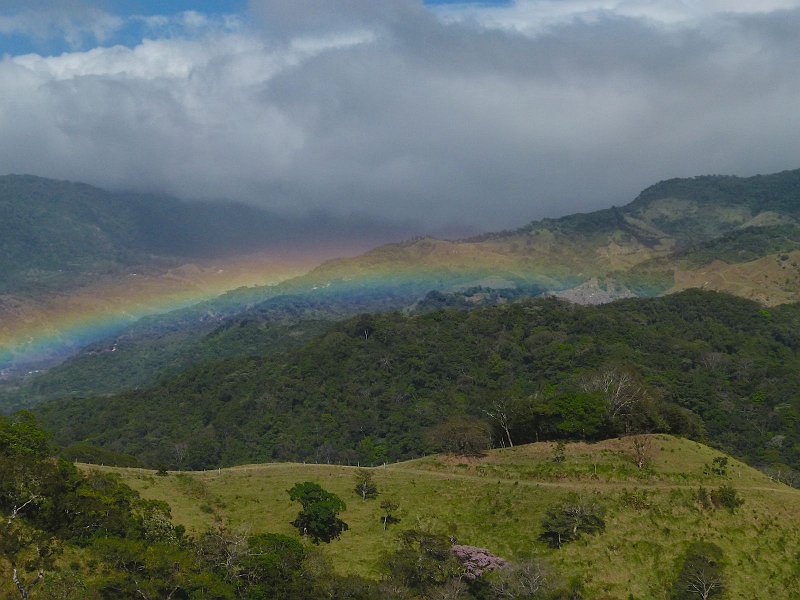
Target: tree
701, 573
365, 485
622, 391
641, 450
528, 579
423, 561
389, 508
566, 522
501, 413
319, 518
465, 436
30, 553
477, 561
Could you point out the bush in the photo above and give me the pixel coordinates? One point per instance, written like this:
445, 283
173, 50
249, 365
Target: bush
726, 497
566, 522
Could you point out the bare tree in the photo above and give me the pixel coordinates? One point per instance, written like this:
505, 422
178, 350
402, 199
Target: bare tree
179, 450
501, 412
622, 391
527, 579
642, 450
704, 583
224, 548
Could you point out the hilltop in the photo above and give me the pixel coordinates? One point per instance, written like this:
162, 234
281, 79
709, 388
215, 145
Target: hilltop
498, 502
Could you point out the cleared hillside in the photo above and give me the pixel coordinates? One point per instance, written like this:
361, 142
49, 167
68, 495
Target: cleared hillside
498, 501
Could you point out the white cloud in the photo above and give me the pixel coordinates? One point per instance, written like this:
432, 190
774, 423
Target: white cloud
382, 107
537, 16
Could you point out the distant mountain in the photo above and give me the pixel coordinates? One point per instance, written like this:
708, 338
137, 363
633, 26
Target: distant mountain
58, 234
78, 263
739, 235
670, 231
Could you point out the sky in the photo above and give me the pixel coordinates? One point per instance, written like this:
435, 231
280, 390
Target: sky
458, 116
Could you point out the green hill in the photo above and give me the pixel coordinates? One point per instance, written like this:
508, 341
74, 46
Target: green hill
498, 502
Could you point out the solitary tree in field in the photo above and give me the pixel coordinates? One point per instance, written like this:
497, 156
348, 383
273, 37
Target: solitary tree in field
319, 518
365, 485
566, 522
389, 516
701, 575
642, 450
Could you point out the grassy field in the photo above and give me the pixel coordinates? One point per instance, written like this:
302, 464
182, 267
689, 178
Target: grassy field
498, 501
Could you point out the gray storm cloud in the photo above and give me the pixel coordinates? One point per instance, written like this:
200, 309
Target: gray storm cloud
486, 117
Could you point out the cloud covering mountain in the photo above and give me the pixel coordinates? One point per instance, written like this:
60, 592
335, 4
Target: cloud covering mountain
483, 115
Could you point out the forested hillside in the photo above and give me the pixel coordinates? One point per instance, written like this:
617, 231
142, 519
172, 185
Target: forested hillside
375, 387
738, 235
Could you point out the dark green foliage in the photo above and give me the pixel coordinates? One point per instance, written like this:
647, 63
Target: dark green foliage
699, 357
87, 453
726, 496
700, 576
319, 518
719, 466
568, 521
46, 505
157, 570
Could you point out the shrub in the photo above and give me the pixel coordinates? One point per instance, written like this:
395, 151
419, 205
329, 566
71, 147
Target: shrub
566, 522
726, 497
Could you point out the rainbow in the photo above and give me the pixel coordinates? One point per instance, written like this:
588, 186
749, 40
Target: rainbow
43, 331
49, 331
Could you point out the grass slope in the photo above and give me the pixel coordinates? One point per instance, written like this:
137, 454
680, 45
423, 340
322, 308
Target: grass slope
498, 502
